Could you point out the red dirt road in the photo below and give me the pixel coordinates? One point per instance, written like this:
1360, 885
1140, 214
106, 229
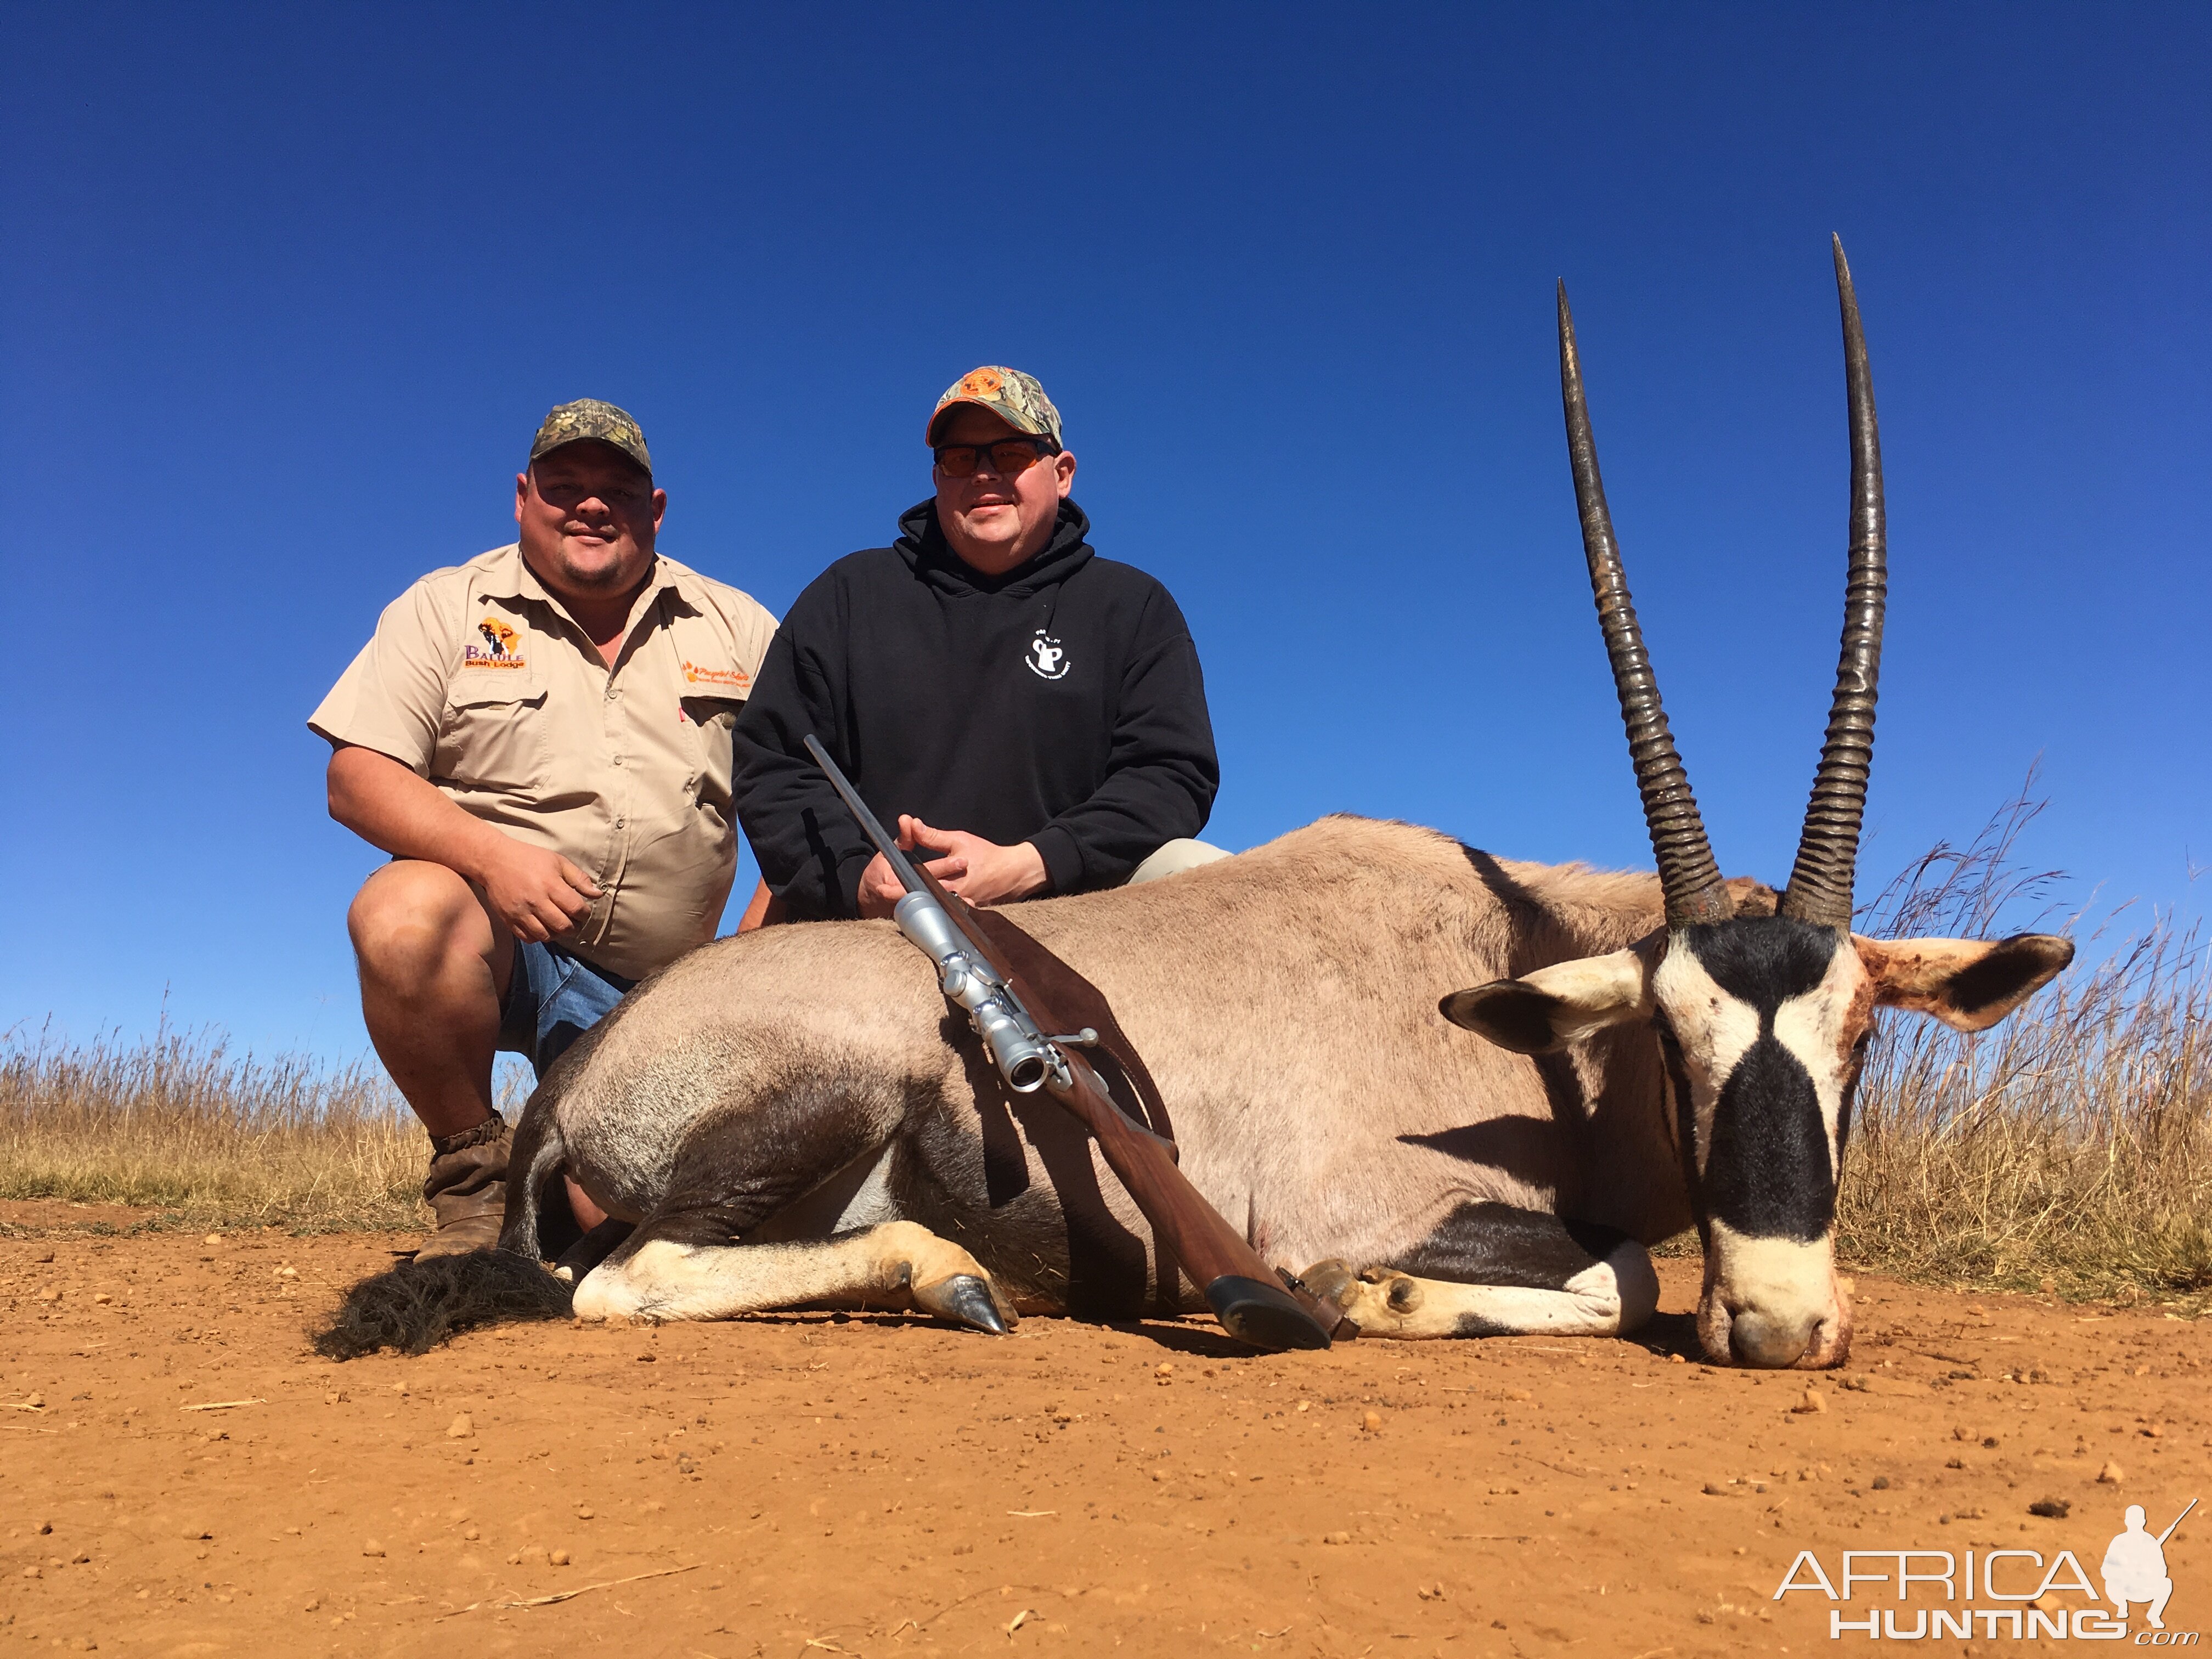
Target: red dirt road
813, 1485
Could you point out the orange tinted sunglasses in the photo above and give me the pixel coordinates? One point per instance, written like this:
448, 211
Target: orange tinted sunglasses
1009, 457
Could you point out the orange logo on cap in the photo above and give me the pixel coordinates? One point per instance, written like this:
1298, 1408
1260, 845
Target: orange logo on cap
981, 383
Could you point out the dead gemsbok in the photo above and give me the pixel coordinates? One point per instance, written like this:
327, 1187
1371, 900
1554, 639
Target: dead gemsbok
794, 1118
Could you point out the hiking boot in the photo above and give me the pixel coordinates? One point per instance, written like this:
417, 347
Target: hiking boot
467, 1189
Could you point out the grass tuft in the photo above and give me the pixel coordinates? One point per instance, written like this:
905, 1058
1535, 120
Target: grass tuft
175, 1122
2067, 1150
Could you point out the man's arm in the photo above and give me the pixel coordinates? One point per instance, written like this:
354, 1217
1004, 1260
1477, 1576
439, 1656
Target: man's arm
1162, 771
537, 894
811, 852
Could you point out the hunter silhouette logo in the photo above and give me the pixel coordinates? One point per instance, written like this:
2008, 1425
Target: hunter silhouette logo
502, 646
1047, 658
2021, 1597
2135, 1566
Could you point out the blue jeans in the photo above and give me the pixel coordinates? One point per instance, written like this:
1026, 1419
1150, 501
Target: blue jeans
552, 999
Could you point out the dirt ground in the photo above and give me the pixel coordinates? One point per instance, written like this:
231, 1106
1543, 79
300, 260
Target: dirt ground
182, 1476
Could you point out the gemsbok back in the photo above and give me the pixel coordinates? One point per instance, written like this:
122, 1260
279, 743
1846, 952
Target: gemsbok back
795, 1118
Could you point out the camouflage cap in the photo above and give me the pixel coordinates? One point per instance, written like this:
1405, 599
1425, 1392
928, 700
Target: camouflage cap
1013, 397
589, 418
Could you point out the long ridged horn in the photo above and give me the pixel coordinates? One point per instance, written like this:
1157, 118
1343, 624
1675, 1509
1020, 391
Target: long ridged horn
1688, 875
1820, 888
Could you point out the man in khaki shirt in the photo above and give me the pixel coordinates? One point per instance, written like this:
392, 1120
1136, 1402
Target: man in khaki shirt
540, 737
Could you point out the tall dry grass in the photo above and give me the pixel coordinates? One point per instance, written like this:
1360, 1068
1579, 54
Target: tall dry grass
2070, 1148
178, 1124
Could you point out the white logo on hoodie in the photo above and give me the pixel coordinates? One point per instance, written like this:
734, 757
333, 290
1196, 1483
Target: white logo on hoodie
1047, 658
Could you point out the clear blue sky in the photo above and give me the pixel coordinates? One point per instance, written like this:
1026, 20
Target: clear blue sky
284, 292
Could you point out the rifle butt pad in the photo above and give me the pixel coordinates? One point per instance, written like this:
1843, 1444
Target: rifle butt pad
1262, 1315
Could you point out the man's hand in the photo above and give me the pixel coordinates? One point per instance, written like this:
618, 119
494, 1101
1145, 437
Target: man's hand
537, 894
981, 872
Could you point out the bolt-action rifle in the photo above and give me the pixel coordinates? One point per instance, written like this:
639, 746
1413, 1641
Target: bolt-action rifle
2178, 1520
1251, 1303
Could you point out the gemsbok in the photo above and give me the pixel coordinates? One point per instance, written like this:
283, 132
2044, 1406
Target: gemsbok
796, 1117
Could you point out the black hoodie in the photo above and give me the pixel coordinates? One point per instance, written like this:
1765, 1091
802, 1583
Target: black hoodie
1060, 704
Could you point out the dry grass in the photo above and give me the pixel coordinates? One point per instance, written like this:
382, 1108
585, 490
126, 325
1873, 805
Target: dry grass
175, 1123
2069, 1149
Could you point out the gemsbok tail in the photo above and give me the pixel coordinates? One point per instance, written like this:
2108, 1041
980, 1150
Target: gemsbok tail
413, 1306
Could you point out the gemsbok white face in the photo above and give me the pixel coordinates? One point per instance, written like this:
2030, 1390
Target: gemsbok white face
1763, 1021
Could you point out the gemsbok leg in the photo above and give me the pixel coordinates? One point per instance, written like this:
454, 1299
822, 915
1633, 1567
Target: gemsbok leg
687, 1260
1492, 1270
684, 1265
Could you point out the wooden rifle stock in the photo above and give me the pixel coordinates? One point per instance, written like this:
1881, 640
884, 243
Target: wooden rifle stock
1252, 1302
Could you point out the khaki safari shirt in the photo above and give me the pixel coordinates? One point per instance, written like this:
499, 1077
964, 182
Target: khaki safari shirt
478, 679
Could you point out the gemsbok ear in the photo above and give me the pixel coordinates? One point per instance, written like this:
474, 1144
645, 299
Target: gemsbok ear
1968, 984
1553, 1006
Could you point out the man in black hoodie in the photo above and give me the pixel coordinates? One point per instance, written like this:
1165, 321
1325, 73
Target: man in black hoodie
1030, 713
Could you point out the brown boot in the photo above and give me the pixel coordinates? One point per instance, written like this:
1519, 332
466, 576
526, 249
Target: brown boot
467, 1188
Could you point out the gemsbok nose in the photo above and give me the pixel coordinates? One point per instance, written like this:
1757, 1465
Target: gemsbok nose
1773, 1338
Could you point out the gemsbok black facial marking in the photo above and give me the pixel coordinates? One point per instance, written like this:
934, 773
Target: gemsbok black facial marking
1768, 1167
1769, 1172
1763, 961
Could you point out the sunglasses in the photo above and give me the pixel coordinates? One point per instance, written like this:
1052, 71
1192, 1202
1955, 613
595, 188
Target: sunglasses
1009, 457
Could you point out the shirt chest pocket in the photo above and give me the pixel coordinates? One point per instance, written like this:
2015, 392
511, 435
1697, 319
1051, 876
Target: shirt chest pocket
493, 735
707, 722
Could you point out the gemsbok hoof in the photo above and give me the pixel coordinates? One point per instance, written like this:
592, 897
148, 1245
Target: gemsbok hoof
1382, 1301
965, 1300
1334, 1282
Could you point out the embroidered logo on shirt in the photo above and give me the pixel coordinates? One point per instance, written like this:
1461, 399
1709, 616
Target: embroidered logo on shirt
1047, 658
736, 678
502, 646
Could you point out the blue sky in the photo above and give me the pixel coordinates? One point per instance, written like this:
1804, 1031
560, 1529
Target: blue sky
284, 292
